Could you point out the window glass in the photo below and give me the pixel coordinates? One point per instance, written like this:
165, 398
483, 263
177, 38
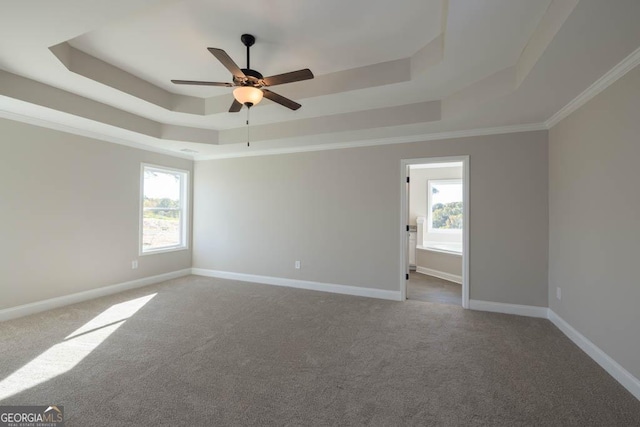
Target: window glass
163, 209
445, 205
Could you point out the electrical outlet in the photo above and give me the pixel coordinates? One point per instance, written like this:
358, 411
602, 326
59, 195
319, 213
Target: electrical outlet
558, 293
297, 265
134, 264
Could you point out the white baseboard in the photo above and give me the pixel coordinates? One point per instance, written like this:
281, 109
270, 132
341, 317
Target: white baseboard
440, 274
623, 376
301, 284
49, 304
500, 307
620, 374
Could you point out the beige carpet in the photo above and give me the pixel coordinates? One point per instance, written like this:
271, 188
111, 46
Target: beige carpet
201, 351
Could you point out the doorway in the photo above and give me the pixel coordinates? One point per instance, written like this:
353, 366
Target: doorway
434, 240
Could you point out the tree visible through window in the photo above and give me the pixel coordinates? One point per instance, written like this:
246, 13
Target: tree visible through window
163, 209
445, 205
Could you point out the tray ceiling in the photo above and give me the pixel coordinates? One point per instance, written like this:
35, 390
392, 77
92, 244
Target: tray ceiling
383, 69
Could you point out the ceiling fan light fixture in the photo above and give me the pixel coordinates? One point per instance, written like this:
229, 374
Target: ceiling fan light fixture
247, 95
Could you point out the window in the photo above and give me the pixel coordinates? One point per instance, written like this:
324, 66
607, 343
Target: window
163, 217
444, 206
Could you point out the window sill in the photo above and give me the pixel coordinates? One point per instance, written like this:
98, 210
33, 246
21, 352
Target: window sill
163, 250
440, 249
444, 230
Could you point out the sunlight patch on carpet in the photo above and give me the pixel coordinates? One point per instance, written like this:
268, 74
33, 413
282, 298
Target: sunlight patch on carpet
65, 355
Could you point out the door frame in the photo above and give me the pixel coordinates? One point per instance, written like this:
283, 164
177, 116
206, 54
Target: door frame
404, 214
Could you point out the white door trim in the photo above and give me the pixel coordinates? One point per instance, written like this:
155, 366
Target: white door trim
404, 212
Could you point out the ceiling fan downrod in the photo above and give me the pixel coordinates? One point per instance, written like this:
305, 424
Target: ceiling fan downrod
248, 40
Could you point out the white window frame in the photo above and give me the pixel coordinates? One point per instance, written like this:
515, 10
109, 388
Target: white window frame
430, 184
184, 207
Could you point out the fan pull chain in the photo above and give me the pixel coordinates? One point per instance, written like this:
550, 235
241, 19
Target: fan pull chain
248, 111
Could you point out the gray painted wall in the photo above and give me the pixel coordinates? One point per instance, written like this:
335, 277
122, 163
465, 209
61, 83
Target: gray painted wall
594, 210
338, 212
69, 209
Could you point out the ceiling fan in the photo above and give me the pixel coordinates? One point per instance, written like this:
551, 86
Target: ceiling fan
250, 84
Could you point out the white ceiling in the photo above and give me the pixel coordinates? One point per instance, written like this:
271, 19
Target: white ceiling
170, 42
458, 65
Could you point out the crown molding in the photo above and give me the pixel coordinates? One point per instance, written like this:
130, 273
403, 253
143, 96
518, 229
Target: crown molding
613, 75
76, 130
383, 141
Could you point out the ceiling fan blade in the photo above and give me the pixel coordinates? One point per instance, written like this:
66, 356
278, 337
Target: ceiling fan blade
226, 60
286, 102
198, 83
235, 107
293, 76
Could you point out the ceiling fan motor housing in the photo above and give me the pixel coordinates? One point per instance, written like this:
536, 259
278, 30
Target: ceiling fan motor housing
254, 78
